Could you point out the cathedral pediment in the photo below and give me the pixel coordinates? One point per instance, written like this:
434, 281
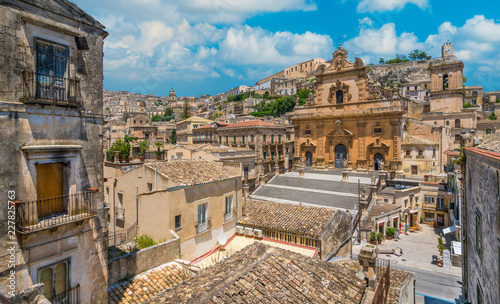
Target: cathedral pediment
340, 131
340, 62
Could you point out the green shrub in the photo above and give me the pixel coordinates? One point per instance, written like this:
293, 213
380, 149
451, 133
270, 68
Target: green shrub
390, 231
145, 241
120, 145
143, 147
493, 116
467, 105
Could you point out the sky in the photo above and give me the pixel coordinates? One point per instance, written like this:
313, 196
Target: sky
210, 46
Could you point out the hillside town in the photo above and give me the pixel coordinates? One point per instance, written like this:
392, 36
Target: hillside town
330, 181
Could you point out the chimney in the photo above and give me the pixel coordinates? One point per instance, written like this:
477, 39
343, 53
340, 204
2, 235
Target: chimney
368, 258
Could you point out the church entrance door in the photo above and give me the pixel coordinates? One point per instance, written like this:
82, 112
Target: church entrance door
309, 158
377, 158
340, 155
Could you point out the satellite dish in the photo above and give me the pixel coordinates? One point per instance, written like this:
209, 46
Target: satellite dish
222, 239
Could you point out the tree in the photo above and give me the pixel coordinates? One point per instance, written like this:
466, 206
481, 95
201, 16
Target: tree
302, 94
493, 116
230, 98
185, 114
418, 55
168, 112
381, 61
173, 137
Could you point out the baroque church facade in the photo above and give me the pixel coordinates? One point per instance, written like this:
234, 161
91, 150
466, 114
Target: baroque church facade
349, 121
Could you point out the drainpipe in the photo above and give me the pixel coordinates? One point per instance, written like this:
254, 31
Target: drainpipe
156, 180
114, 211
236, 195
137, 206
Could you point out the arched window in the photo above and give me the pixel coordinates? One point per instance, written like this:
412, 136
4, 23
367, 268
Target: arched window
340, 96
445, 82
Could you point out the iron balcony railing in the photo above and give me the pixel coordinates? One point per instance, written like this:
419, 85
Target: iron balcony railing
203, 226
50, 89
55, 211
71, 296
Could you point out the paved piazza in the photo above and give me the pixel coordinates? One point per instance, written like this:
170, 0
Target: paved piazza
418, 249
320, 188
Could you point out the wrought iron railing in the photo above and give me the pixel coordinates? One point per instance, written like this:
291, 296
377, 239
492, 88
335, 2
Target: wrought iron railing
132, 231
202, 227
71, 296
55, 211
50, 89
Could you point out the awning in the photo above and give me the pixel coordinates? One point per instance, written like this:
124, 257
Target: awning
449, 230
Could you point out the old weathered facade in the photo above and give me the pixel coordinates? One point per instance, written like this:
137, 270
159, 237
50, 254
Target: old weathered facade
349, 121
51, 166
481, 224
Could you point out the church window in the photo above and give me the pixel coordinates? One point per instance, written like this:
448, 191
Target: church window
340, 97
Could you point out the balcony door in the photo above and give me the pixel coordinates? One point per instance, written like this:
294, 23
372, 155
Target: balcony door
49, 189
51, 67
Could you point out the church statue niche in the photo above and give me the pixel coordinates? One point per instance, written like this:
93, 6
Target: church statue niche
339, 92
445, 82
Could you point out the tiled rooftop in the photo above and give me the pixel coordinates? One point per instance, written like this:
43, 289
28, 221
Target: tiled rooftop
191, 172
415, 140
379, 210
264, 274
492, 146
144, 286
222, 149
251, 123
289, 218
238, 242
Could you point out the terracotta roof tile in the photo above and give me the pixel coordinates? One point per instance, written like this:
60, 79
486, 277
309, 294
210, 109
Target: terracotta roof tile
264, 274
410, 140
191, 172
251, 123
299, 220
145, 286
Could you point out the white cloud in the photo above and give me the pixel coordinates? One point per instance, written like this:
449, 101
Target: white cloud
370, 6
475, 42
248, 45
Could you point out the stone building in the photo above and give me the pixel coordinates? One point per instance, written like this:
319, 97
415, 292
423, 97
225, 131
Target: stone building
51, 166
481, 224
266, 139
349, 119
185, 128
208, 133
265, 274
327, 229
198, 199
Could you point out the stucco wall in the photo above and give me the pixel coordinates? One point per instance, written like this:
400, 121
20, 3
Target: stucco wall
142, 260
335, 234
35, 124
482, 196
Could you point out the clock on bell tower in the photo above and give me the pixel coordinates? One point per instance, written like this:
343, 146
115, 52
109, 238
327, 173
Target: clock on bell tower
447, 50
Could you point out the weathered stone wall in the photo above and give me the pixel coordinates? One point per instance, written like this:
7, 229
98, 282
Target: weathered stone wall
336, 237
36, 124
406, 72
142, 260
482, 196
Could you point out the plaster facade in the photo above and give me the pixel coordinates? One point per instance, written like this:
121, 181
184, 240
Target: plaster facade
56, 129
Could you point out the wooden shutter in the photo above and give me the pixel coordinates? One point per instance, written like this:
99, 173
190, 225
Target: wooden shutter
49, 189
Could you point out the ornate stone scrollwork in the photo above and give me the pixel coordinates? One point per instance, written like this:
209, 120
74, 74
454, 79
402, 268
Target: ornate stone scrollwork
373, 92
336, 87
310, 100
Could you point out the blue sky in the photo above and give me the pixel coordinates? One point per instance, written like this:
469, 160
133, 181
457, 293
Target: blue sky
211, 46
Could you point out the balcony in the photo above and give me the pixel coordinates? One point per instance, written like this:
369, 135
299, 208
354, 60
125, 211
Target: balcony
449, 169
69, 296
48, 89
203, 227
52, 212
